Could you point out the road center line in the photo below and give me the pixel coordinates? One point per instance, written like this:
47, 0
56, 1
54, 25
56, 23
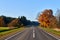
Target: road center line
33, 33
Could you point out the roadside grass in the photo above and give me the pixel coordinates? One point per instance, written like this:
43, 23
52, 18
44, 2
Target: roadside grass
9, 32
50, 30
3, 29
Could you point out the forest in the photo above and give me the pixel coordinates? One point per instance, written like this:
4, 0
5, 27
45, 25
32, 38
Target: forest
16, 22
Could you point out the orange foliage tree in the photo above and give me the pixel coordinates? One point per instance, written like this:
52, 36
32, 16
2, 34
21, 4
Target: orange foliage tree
2, 23
14, 23
46, 19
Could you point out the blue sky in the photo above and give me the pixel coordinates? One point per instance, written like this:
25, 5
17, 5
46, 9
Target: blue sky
28, 8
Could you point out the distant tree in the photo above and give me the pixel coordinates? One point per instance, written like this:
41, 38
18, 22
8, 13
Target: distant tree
23, 20
58, 17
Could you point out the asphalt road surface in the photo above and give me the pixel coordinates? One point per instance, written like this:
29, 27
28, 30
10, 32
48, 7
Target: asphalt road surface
32, 33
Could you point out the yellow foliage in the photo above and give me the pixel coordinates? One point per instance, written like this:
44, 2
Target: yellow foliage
47, 19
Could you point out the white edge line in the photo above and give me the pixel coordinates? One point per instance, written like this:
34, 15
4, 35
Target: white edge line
13, 35
52, 35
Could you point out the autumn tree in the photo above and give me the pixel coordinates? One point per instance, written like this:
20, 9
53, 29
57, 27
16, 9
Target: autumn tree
14, 23
2, 23
7, 20
47, 19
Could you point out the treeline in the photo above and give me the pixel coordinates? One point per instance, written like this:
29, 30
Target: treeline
14, 22
48, 20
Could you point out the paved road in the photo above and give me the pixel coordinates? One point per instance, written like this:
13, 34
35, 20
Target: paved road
32, 33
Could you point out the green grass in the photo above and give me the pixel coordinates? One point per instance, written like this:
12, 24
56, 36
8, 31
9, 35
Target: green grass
3, 29
50, 30
8, 32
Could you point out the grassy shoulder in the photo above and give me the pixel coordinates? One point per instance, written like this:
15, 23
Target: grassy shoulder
50, 30
5, 31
